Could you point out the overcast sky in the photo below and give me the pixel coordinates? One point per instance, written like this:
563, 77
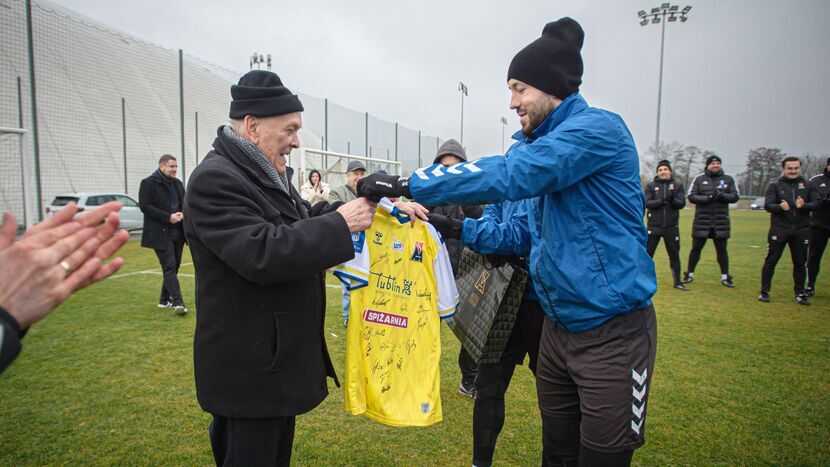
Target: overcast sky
737, 75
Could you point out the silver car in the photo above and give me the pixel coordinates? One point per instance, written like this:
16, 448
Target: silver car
131, 216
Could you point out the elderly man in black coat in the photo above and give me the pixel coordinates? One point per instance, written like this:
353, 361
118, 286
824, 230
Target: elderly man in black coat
259, 352
160, 198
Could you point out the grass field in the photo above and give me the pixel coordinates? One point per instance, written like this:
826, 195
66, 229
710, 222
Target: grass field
108, 379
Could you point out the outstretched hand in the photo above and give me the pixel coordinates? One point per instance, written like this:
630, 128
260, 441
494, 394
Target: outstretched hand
56, 258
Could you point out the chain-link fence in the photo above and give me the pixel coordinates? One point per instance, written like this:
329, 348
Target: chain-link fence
108, 105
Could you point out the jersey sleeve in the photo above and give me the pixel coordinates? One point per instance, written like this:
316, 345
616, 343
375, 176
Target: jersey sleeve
354, 273
444, 279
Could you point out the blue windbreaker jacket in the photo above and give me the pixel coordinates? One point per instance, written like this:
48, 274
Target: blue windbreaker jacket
496, 232
587, 239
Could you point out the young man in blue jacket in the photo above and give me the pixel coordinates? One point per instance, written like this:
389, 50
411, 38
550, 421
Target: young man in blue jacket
579, 168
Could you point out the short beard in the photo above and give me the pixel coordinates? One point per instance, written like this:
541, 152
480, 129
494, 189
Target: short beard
536, 117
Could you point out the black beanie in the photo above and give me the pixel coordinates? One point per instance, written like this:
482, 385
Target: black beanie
662, 163
260, 93
711, 159
552, 63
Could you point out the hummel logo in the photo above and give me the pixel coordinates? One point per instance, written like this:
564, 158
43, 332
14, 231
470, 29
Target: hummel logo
437, 172
640, 379
638, 394
638, 411
387, 185
636, 426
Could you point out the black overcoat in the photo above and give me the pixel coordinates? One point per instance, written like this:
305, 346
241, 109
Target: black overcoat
154, 202
259, 349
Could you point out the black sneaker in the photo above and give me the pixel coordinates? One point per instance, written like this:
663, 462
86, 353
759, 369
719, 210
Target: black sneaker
763, 297
728, 282
688, 277
680, 286
809, 291
467, 389
165, 304
801, 299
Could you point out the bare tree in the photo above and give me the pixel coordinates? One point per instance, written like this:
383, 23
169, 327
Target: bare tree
657, 152
763, 165
812, 164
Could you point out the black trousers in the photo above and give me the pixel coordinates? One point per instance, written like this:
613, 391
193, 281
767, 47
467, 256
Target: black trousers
170, 258
468, 366
720, 248
797, 240
671, 238
593, 389
818, 241
252, 441
493, 379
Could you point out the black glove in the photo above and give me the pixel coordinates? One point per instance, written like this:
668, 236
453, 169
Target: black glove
720, 195
446, 226
377, 186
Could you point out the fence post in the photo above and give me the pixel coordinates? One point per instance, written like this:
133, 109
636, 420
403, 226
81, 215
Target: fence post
419, 148
124, 142
366, 126
181, 115
326, 123
33, 97
197, 138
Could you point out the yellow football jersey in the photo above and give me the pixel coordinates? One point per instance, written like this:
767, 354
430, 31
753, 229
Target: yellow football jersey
401, 285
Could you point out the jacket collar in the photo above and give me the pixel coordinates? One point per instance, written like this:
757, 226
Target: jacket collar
792, 181
660, 180
572, 105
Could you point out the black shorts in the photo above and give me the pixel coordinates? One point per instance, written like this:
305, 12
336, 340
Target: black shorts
601, 376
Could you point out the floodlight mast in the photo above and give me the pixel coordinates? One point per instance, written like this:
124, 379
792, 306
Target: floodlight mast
666, 12
463, 88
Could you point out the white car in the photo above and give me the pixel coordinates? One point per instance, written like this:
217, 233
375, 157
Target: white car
758, 203
131, 216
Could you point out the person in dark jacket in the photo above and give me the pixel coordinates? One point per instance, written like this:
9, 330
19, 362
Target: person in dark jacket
451, 153
665, 197
711, 192
819, 225
161, 197
787, 202
259, 352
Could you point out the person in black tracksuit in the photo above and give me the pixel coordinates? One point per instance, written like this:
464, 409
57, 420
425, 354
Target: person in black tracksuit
665, 197
819, 225
787, 201
711, 192
450, 153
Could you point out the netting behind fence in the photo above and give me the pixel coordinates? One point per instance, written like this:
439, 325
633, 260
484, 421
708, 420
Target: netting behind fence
109, 105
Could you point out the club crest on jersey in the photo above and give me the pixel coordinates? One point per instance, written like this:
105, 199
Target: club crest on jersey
357, 241
418, 253
801, 185
378, 238
387, 319
671, 186
397, 245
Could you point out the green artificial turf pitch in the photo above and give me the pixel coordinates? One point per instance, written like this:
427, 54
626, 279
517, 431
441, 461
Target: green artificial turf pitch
108, 379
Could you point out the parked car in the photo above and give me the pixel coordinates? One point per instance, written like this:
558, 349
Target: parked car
131, 216
758, 203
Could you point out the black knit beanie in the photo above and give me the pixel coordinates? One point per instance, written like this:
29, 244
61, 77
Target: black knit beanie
552, 63
662, 163
711, 159
260, 93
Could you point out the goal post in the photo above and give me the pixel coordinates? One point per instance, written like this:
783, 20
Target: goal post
17, 196
332, 165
